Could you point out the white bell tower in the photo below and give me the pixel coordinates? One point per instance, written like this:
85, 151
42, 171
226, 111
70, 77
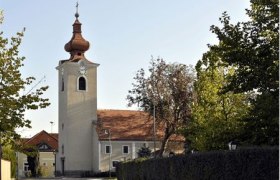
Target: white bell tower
77, 94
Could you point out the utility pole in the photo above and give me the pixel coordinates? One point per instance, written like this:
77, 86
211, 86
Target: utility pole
154, 109
107, 131
154, 121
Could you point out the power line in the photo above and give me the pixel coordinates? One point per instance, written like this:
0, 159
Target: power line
36, 85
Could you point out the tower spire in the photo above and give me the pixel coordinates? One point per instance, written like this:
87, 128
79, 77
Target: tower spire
77, 46
77, 10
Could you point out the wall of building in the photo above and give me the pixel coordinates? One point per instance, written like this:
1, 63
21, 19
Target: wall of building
117, 151
46, 160
5, 169
133, 147
47, 164
77, 111
22, 159
95, 149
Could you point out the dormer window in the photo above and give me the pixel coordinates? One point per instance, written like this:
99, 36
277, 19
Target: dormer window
43, 146
82, 84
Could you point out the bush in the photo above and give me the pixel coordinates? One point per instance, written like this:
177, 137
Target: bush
144, 152
249, 163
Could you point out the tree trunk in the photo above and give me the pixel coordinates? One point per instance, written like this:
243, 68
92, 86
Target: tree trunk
164, 142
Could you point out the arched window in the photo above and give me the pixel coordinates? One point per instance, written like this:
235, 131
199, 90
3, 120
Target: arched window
82, 83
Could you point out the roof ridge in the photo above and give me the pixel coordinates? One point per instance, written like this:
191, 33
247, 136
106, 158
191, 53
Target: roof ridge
34, 136
43, 131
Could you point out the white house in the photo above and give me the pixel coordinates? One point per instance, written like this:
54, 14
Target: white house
46, 143
92, 140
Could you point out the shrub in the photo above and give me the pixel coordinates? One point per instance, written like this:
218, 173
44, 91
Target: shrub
249, 163
144, 152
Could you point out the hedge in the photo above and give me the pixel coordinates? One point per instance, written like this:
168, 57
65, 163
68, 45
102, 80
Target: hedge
249, 163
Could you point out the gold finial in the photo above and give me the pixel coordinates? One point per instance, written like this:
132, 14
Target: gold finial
77, 8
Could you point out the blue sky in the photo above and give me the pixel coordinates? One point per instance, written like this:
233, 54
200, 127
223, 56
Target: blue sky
123, 35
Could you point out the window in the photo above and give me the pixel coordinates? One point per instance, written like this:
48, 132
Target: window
62, 126
43, 146
125, 150
62, 84
107, 149
44, 164
114, 163
62, 149
26, 167
82, 83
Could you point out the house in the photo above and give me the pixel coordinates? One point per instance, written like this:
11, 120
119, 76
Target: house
129, 131
121, 133
46, 144
91, 140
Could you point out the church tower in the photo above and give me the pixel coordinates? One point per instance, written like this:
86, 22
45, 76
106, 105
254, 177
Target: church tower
77, 94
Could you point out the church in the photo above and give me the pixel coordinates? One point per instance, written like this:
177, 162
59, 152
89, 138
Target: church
90, 140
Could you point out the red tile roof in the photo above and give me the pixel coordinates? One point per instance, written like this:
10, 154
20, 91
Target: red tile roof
43, 137
54, 135
129, 125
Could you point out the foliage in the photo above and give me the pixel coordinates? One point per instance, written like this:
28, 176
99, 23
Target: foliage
144, 152
216, 117
33, 162
168, 88
12, 103
253, 48
251, 163
10, 154
43, 171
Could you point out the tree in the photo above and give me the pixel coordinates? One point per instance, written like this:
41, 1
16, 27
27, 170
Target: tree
216, 116
12, 103
144, 152
33, 161
168, 88
253, 48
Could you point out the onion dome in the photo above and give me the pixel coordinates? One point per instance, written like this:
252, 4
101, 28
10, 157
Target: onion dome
77, 45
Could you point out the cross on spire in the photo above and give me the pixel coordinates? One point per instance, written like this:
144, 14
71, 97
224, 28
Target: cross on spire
77, 8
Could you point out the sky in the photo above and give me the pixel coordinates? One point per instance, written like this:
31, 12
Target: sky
123, 35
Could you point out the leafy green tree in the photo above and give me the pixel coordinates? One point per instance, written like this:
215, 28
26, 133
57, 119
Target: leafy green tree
168, 88
216, 117
12, 103
253, 48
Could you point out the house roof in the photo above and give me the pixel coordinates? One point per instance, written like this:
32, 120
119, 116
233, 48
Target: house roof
123, 124
129, 125
50, 139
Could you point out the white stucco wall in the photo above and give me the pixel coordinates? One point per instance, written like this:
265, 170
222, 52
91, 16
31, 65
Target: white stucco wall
118, 155
77, 111
46, 160
5, 169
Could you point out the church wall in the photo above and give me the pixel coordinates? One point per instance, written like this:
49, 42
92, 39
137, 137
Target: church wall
77, 110
95, 149
118, 155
